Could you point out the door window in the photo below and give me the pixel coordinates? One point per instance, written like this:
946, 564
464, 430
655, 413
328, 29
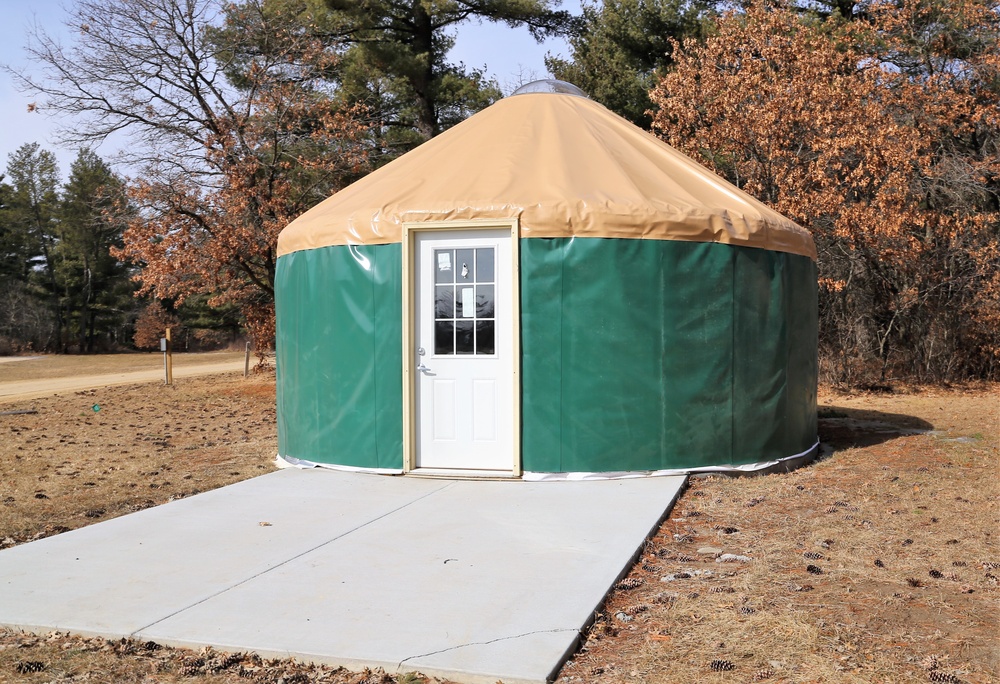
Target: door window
465, 301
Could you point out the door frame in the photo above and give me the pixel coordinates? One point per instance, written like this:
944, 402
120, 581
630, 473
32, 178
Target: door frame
410, 292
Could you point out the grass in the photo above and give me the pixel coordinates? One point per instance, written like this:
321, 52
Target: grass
66, 465
899, 522
875, 564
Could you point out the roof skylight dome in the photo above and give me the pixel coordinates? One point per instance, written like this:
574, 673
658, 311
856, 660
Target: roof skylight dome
550, 85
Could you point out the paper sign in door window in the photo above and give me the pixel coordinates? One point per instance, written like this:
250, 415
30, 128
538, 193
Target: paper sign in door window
468, 302
444, 261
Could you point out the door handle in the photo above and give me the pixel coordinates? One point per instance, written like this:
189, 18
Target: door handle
422, 368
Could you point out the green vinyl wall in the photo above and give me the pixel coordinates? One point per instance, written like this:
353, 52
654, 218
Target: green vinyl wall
635, 355
340, 363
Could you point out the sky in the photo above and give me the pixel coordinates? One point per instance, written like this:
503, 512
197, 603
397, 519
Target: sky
504, 53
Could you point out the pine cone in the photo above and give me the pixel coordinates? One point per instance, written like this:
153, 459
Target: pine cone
762, 674
879, 563
189, 671
812, 555
29, 666
814, 570
630, 583
721, 666
936, 574
231, 659
946, 677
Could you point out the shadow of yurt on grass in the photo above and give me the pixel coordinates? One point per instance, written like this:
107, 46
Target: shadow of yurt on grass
546, 291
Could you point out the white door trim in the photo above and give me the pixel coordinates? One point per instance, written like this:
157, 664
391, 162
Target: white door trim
410, 291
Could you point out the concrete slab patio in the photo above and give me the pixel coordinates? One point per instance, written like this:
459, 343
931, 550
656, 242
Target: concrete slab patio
476, 581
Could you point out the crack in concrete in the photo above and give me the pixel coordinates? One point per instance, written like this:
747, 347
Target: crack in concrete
556, 630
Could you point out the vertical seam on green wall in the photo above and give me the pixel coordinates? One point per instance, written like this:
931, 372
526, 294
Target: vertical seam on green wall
732, 359
664, 458
562, 361
375, 365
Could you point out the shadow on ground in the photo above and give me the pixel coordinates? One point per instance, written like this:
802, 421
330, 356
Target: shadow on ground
845, 428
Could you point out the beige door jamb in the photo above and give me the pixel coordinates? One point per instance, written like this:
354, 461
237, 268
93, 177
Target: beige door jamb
410, 229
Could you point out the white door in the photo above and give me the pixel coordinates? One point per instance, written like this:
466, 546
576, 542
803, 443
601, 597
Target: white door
464, 346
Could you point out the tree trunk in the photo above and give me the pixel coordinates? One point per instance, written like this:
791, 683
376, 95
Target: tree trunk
423, 44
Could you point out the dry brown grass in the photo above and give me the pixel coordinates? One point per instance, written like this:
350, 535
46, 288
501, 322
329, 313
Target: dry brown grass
67, 465
902, 527
68, 658
886, 481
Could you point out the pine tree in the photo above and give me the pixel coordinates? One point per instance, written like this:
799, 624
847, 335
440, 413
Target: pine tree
624, 47
396, 59
32, 219
94, 286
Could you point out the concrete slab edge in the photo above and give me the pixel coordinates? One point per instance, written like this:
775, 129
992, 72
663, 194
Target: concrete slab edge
355, 665
624, 571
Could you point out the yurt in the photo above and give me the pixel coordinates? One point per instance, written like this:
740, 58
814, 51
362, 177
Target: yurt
545, 291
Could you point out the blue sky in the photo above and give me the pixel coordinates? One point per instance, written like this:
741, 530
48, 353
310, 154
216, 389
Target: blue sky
502, 52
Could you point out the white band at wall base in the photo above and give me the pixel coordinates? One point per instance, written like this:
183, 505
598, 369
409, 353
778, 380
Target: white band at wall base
292, 462
778, 465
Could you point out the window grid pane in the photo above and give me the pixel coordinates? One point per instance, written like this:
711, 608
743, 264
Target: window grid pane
465, 301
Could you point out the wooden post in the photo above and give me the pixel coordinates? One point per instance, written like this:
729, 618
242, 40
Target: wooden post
170, 360
246, 363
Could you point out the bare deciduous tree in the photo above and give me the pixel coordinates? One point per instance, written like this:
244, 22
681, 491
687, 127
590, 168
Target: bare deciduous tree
231, 128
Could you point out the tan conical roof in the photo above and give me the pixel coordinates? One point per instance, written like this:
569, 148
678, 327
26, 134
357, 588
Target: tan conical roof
563, 166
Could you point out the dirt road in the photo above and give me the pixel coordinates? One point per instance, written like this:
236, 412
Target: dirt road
184, 367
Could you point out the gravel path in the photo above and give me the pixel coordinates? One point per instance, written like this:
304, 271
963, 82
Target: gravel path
32, 389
